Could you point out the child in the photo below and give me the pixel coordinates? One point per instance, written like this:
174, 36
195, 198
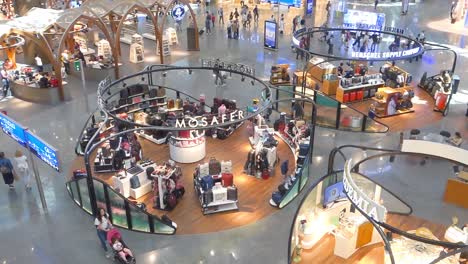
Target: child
123, 251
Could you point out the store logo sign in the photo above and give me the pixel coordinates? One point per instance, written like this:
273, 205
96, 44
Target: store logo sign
359, 199
385, 55
203, 121
178, 12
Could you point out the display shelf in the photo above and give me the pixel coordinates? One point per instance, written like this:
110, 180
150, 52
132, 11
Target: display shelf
150, 138
216, 207
104, 49
345, 95
150, 106
142, 101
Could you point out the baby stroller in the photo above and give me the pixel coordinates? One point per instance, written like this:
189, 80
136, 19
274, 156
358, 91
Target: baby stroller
115, 233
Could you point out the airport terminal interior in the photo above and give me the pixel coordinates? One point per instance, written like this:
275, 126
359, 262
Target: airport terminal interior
227, 131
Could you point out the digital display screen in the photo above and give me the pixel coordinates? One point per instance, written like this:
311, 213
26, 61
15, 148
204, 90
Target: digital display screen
13, 129
363, 20
309, 7
270, 34
42, 150
334, 193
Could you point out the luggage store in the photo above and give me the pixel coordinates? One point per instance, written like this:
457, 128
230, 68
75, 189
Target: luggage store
158, 157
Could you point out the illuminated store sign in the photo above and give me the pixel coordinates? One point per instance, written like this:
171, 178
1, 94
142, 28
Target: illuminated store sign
394, 30
203, 121
385, 55
366, 204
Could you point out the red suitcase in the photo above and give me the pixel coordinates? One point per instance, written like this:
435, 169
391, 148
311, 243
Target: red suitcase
345, 97
227, 179
265, 174
359, 95
352, 96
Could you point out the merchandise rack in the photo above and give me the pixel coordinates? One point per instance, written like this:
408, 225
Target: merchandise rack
214, 207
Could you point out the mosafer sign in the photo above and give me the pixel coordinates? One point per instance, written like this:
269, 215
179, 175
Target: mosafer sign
359, 199
202, 121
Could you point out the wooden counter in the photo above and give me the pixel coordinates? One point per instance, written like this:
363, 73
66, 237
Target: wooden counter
456, 192
33, 94
365, 89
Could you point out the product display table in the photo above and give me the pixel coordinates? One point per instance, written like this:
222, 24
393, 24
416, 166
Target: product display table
455, 192
121, 182
187, 150
358, 92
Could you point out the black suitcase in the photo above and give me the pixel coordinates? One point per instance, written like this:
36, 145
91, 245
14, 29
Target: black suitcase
124, 93
153, 93
201, 32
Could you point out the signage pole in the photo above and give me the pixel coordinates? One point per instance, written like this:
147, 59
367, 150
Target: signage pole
83, 81
38, 179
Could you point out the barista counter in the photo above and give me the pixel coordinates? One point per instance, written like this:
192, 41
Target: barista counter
32, 93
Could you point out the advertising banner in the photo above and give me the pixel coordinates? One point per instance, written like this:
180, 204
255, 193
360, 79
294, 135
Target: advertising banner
270, 35
363, 20
309, 7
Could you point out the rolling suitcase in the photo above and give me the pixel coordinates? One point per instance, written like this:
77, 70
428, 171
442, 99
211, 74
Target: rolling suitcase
345, 97
352, 96
226, 166
170, 200
161, 92
227, 179
153, 93
265, 174
204, 170
232, 193
178, 103
124, 93
214, 166
359, 95
207, 183
208, 197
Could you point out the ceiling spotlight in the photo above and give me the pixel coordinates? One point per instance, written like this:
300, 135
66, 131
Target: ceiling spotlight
242, 78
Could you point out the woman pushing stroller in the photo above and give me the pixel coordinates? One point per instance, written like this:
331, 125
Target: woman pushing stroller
123, 252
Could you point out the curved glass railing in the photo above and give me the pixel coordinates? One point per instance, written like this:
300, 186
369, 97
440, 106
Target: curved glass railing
331, 113
122, 213
301, 179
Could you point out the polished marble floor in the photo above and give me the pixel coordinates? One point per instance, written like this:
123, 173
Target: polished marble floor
65, 234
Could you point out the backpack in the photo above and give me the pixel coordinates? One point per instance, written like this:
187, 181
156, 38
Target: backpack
5, 169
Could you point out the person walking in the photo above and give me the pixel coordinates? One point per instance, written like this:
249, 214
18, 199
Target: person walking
249, 18
229, 29
213, 18
103, 225
40, 66
5, 81
375, 4
330, 45
66, 61
244, 19
208, 23
235, 29
231, 16
23, 168
255, 14
236, 13
221, 15
7, 170
281, 24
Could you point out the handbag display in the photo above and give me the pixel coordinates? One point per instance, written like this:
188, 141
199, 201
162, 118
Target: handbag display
170, 103
178, 103
214, 166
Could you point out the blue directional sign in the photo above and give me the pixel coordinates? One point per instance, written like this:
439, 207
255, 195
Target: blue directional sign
13, 129
42, 150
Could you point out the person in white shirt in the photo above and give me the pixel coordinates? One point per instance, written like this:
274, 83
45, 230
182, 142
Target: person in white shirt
123, 251
40, 66
103, 225
23, 168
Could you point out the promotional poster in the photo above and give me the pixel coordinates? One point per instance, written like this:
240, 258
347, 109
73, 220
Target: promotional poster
270, 35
